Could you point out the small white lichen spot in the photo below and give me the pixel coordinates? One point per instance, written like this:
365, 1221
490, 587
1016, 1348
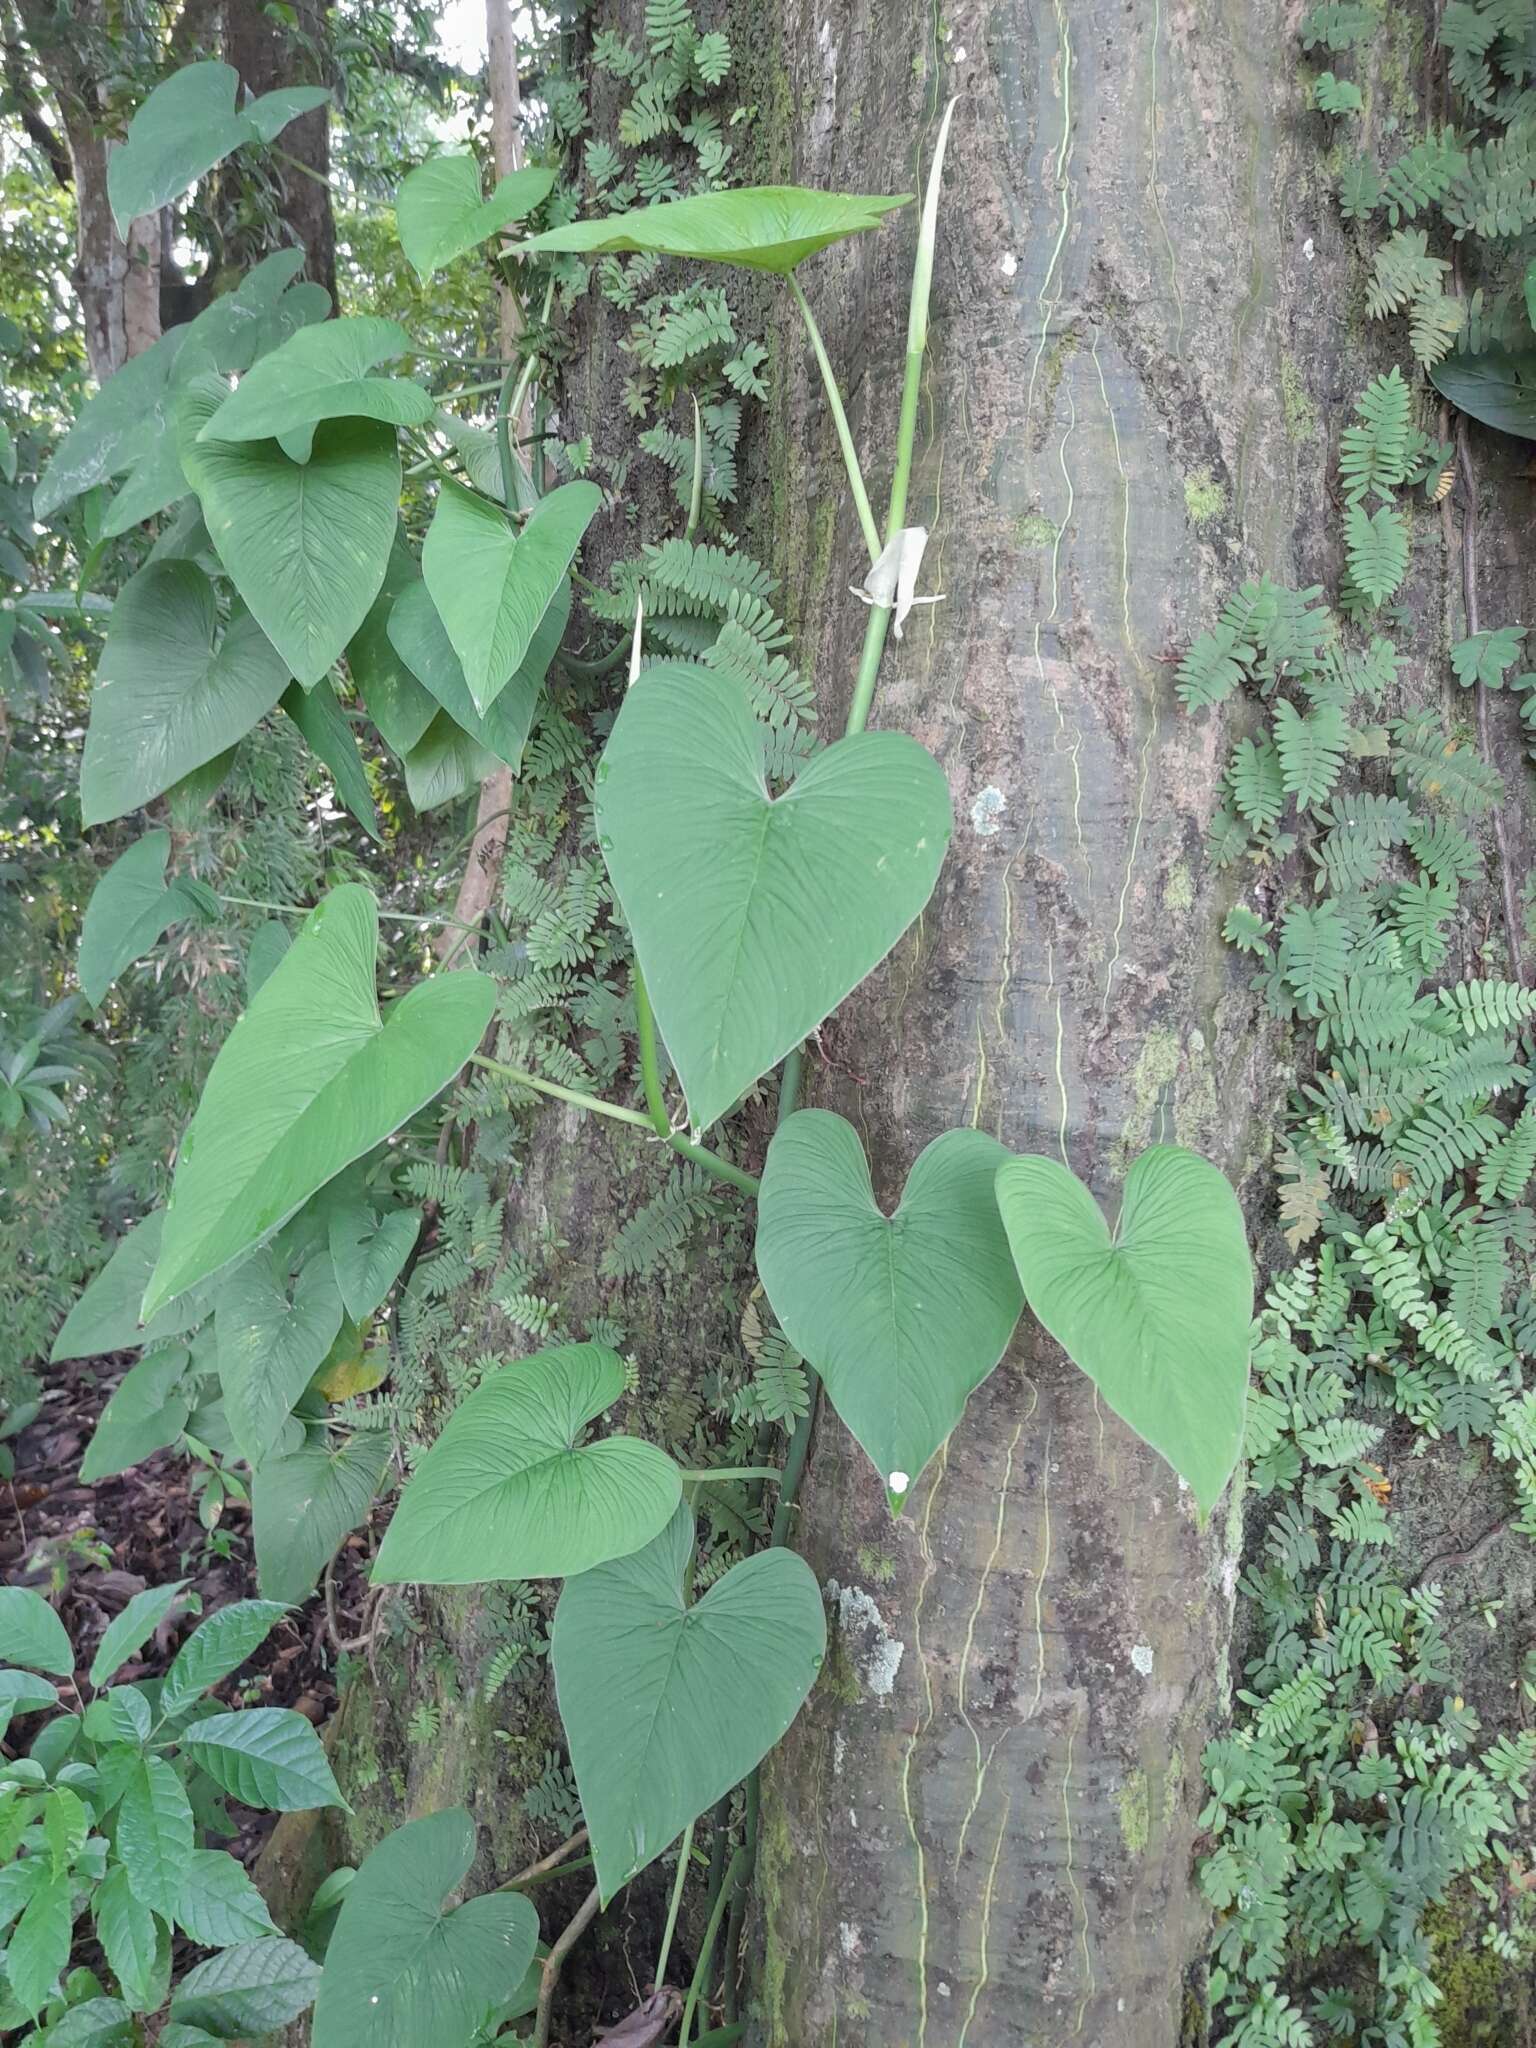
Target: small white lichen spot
1009, 264
1230, 1567
1141, 1657
985, 812
958, 58
873, 1651
839, 1751
1309, 248
848, 1939
941, 1987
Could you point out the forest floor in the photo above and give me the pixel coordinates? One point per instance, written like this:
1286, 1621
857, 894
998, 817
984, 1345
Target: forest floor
91, 1548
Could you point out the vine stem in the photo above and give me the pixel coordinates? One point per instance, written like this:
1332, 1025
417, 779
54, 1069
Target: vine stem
707, 1946
545, 1863
554, 1963
839, 420
673, 1906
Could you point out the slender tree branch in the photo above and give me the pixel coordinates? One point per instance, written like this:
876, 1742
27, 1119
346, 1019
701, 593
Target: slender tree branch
554, 1963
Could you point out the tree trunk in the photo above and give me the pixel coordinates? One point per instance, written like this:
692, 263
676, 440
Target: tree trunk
118, 282
267, 55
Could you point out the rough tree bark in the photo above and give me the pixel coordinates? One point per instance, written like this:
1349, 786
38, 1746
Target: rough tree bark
267, 54
118, 282
981, 1831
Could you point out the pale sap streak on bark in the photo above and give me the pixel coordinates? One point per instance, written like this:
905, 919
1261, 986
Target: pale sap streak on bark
930, 1567
1128, 634
1040, 1576
1090, 1982
970, 1631
986, 1916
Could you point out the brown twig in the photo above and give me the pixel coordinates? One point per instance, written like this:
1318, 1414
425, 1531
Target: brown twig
554, 1962
566, 1848
1473, 1550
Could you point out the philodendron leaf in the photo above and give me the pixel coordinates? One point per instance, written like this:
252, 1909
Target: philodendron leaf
902, 1315
492, 586
310, 1078
147, 1411
402, 1969
246, 1992
1497, 387
169, 694
106, 1317
444, 763
303, 1505
754, 915
321, 373
765, 227
324, 725
667, 1706
368, 1252
419, 637
1157, 1312
305, 543
441, 215
505, 1493
188, 124
274, 1329
131, 907
398, 705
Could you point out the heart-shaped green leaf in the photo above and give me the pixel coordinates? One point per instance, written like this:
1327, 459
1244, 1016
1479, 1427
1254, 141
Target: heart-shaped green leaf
444, 764
310, 1078
401, 1970
420, 638
441, 215
187, 125
667, 1706
765, 227
106, 1317
903, 1316
169, 695
303, 1505
1156, 1313
321, 373
130, 908
368, 1252
147, 1411
1497, 387
505, 1493
754, 915
305, 543
274, 1329
492, 586
265, 1756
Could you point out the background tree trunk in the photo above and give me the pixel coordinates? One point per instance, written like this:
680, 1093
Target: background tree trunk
267, 54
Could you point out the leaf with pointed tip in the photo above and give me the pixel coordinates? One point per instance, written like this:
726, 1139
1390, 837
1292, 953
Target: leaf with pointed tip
667, 1706
265, 1756
155, 1834
39, 1946
419, 637
106, 1317
398, 705
754, 915
306, 544
492, 586
249, 1991
128, 1632
31, 1634
131, 908
401, 1970
440, 213
311, 1078
904, 1315
321, 373
1497, 387
305, 1504
108, 432
217, 1647
219, 1905
274, 1329
147, 1412
169, 694
1157, 1312
188, 124
129, 1939
763, 227
505, 1492
324, 725
368, 1252
445, 763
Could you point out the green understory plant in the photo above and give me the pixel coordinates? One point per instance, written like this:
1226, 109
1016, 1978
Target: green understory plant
1353, 1792
106, 1817
757, 878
